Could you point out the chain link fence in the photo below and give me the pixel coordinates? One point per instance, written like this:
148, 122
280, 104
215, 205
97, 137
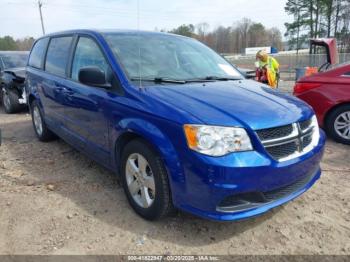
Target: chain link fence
288, 62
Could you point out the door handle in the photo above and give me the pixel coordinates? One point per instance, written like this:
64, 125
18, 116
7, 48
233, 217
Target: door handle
59, 89
68, 91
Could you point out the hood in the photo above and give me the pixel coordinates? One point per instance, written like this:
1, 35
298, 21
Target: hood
244, 103
18, 72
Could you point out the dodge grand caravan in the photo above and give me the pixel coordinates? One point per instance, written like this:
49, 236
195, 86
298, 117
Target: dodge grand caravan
176, 121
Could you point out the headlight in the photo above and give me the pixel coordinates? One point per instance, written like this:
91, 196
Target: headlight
217, 141
316, 133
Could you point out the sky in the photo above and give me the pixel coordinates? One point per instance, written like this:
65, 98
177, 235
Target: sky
20, 18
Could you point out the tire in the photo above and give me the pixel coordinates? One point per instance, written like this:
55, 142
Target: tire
10, 101
40, 128
159, 202
338, 124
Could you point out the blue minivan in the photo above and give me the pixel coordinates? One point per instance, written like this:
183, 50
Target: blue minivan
177, 122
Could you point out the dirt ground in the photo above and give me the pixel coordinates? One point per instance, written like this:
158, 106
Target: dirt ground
54, 200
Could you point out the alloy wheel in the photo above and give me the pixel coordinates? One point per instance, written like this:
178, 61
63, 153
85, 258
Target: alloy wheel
140, 180
342, 125
37, 121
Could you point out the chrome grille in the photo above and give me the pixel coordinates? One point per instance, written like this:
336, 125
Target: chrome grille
273, 133
304, 125
285, 142
307, 140
282, 151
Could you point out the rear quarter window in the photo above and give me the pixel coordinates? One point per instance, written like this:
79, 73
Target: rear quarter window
58, 55
37, 55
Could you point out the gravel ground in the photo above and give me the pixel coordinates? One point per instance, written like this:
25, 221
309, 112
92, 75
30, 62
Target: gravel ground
54, 200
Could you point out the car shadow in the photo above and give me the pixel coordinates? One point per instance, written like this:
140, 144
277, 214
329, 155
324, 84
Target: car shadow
98, 192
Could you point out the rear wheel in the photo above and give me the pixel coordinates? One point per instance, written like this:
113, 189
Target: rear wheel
145, 181
40, 128
10, 101
338, 124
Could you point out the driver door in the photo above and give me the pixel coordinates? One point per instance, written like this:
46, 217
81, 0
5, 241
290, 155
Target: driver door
85, 110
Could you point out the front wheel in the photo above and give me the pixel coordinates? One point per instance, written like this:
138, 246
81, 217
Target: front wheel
145, 181
338, 124
40, 128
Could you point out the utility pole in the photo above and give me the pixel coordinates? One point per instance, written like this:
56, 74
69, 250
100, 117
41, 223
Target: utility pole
40, 4
298, 31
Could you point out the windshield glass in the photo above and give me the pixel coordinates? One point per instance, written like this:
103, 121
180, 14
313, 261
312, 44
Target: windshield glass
168, 57
14, 60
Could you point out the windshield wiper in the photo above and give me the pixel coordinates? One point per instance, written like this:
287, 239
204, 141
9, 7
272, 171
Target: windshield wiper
213, 79
220, 78
159, 80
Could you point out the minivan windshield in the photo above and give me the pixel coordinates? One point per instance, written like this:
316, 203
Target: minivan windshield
162, 56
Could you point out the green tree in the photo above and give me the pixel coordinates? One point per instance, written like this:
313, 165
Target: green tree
297, 30
7, 43
317, 18
185, 30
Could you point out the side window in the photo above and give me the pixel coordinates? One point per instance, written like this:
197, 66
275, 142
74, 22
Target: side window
347, 74
38, 52
87, 54
58, 55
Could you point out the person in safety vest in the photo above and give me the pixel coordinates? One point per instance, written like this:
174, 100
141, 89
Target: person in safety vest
267, 69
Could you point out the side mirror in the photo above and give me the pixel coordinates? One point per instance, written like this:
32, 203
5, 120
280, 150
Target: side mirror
93, 76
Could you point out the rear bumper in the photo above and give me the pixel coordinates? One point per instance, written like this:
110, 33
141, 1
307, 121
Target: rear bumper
211, 181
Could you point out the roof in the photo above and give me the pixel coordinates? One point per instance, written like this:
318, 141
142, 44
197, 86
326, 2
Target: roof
107, 31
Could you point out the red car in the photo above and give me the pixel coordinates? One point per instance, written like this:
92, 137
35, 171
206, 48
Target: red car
329, 94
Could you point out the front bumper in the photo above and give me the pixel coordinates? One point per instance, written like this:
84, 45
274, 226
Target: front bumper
23, 99
209, 181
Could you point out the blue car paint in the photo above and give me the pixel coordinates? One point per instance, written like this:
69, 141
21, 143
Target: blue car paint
93, 120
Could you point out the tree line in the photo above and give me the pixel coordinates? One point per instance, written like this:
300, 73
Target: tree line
232, 39
235, 38
8, 43
316, 19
